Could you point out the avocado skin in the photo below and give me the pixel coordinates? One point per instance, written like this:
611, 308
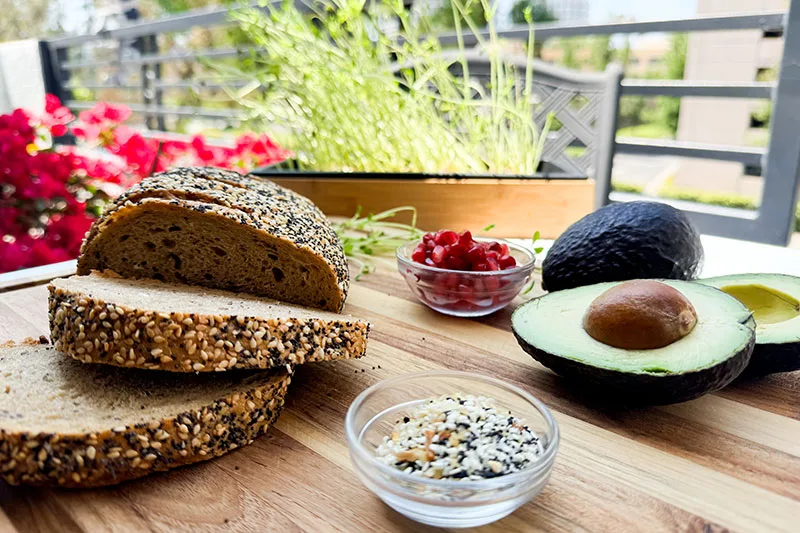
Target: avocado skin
772, 359
634, 240
627, 388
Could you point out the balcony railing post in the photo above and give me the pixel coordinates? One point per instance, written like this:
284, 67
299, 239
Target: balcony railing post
782, 165
55, 78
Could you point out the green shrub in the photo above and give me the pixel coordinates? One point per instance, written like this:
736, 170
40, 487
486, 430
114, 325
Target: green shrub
736, 201
627, 187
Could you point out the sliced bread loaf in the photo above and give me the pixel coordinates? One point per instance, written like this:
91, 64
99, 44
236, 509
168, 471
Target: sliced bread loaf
102, 318
216, 228
68, 424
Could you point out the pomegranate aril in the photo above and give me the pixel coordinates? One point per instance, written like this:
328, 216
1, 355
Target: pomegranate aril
476, 254
455, 263
492, 283
446, 237
437, 255
457, 249
449, 280
491, 264
506, 262
418, 256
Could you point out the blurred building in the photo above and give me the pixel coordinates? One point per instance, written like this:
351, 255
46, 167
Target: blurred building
733, 56
646, 56
569, 11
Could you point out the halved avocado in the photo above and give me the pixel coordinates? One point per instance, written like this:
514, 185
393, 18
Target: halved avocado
774, 300
706, 359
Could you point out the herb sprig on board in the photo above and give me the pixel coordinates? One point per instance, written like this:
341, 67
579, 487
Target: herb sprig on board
370, 238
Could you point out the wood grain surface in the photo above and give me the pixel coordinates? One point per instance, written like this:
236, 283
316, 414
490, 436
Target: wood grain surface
725, 462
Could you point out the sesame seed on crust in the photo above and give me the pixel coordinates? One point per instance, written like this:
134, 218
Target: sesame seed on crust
186, 342
104, 457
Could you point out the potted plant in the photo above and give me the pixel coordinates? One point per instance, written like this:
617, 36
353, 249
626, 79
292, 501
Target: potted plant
380, 115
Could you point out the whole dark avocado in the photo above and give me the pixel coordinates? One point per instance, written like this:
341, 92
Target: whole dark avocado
633, 240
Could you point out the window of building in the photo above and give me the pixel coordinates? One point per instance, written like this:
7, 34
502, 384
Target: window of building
752, 170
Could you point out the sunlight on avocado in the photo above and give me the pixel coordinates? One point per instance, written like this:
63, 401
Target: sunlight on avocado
769, 306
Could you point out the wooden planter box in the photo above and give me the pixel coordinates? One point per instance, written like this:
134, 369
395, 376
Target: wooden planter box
517, 205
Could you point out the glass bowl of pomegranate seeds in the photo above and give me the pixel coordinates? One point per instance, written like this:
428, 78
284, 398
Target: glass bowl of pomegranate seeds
461, 275
451, 449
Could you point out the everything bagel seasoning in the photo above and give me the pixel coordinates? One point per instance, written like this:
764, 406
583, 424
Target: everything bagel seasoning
459, 437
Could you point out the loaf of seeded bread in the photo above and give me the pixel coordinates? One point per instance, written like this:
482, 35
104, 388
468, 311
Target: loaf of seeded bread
216, 228
103, 318
68, 424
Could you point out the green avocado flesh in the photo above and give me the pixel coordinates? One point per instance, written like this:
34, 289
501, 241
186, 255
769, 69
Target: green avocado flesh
553, 324
768, 305
774, 300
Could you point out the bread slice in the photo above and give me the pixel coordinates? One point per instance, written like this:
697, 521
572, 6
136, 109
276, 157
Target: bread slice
102, 318
216, 228
74, 425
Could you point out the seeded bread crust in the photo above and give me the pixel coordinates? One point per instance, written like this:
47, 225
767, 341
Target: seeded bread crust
92, 330
127, 452
270, 209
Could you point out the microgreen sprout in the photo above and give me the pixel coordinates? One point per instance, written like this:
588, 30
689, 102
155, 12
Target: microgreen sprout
357, 86
367, 239
536, 250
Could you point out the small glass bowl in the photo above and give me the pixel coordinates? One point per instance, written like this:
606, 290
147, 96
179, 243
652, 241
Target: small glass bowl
466, 293
441, 502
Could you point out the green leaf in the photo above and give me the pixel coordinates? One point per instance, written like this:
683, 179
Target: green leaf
529, 288
538, 250
375, 235
490, 227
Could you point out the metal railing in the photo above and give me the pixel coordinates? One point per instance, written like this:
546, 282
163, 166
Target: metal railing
772, 222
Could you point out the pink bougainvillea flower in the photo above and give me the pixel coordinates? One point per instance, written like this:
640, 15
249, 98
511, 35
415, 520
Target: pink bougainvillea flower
67, 231
56, 117
139, 153
49, 196
101, 122
14, 255
105, 114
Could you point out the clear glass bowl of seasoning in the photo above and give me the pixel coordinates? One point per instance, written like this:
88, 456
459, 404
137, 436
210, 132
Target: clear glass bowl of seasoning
464, 449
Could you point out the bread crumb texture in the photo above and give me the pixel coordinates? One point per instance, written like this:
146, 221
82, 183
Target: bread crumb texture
219, 229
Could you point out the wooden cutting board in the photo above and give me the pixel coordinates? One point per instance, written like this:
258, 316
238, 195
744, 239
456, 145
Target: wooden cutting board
728, 461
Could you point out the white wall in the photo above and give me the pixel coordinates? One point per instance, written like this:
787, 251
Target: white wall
733, 56
21, 81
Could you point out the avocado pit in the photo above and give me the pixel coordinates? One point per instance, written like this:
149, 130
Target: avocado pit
640, 315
